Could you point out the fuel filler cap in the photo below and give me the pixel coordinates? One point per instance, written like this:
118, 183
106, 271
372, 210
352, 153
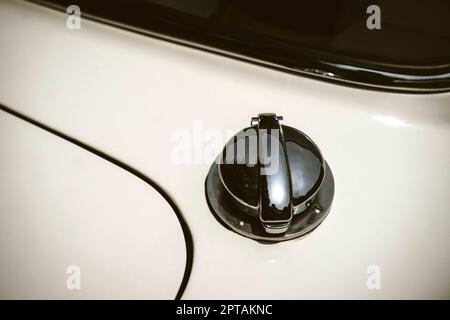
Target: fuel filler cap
270, 183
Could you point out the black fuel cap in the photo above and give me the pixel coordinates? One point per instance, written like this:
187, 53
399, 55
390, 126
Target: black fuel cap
270, 183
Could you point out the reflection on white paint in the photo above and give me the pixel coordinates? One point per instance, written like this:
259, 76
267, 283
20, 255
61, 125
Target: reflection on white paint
390, 121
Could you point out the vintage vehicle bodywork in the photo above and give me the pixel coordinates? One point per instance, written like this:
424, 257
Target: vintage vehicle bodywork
88, 118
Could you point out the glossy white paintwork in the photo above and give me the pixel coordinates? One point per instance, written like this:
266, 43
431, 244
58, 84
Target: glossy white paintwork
126, 94
61, 206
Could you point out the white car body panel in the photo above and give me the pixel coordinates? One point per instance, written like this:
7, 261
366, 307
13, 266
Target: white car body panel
126, 94
75, 226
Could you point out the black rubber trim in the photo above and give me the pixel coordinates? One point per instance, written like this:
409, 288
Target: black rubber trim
186, 232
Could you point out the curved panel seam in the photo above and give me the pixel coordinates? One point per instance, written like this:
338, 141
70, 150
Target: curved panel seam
186, 231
